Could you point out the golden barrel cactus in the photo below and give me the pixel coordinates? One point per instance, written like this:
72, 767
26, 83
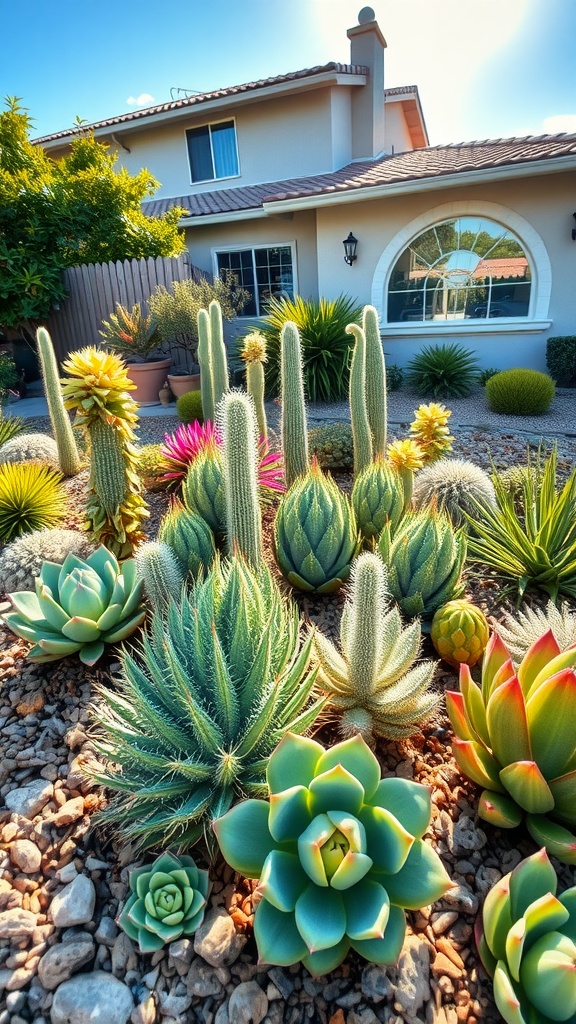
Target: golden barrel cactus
460, 632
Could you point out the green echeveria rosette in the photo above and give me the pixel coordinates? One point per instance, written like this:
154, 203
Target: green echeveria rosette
315, 535
168, 900
339, 854
527, 942
78, 606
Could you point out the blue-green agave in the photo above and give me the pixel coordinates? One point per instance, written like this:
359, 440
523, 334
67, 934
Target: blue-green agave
526, 938
79, 606
339, 854
167, 901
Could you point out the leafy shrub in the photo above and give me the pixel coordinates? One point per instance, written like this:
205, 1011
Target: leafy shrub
31, 498
534, 546
520, 392
8, 374
31, 448
152, 467
176, 311
326, 347
9, 428
486, 374
561, 360
394, 377
22, 559
443, 371
201, 706
332, 445
453, 486
189, 407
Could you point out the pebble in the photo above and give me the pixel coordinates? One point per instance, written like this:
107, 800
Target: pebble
106, 932
29, 800
217, 941
92, 997
248, 1004
443, 921
16, 923
145, 1012
375, 983
202, 980
69, 812
462, 899
26, 856
412, 985
74, 904
63, 960
466, 837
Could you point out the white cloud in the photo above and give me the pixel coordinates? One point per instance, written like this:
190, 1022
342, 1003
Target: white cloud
143, 100
560, 123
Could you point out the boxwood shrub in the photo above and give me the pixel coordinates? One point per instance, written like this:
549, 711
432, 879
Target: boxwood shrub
520, 392
561, 360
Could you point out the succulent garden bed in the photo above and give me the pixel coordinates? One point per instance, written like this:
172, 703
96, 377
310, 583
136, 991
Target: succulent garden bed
69, 879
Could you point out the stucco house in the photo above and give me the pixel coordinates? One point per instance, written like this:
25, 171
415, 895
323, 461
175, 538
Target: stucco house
469, 241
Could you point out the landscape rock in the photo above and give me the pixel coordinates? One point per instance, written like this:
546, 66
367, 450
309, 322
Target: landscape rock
217, 940
248, 1004
466, 837
412, 985
74, 904
16, 923
26, 856
88, 998
69, 812
29, 800
62, 961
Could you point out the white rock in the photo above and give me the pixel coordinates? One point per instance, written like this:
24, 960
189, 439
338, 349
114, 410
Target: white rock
26, 856
29, 800
74, 904
217, 940
16, 923
412, 986
88, 998
62, 961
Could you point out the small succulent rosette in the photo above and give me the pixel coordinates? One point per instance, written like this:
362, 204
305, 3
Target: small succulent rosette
527, 942
339, 854
167, 901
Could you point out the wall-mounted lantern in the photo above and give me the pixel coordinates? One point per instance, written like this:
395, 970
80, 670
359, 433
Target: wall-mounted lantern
350, 244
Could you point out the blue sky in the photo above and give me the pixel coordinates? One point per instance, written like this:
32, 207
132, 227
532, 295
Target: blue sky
485, 68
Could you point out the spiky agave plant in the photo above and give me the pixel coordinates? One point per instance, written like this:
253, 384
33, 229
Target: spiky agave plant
214, 687
521, 630
374, 681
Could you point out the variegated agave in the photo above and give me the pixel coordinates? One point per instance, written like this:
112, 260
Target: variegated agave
199, 709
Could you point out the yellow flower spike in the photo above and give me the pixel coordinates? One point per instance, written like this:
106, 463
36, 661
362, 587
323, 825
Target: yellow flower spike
430, 429
254, 348
405, 454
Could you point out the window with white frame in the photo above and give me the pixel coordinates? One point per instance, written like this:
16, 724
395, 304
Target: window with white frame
264, 272
212, 151
464, 268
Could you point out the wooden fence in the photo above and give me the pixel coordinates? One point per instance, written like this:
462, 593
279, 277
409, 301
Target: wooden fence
96, 288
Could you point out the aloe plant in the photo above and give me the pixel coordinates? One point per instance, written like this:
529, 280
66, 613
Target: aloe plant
339, 854
78, 607
515, 735
215, 685
527, 942
167, 901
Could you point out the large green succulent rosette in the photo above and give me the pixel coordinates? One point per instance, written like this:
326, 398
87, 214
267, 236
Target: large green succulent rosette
527, 942
78, 606
339, 854
167, 901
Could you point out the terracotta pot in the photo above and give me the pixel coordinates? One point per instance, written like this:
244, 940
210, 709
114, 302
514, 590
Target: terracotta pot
148, 378
180, 384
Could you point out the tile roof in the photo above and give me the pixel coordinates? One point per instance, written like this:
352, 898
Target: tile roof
431, 162
205, 97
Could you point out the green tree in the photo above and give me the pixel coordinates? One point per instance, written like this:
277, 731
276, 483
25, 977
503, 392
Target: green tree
57, 214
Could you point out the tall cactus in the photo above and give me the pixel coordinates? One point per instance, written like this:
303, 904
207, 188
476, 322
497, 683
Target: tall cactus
220, 382
205, 361
158, 567
361, 434
376, 398
68, 456
254, 355
240, 471
294, 431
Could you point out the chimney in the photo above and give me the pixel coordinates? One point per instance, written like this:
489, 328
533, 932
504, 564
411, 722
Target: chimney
367, 45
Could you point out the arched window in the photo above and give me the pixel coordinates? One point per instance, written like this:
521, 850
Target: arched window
463, 268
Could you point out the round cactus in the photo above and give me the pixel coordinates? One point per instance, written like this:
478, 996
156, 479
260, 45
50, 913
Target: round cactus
377, 498
460, 633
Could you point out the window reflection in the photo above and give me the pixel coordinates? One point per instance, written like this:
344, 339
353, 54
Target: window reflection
467, 268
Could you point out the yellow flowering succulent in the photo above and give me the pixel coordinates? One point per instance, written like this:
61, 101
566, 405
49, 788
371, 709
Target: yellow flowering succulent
430, 429
254, 348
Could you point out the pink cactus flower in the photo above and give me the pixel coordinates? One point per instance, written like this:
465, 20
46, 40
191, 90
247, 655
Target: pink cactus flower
189, 439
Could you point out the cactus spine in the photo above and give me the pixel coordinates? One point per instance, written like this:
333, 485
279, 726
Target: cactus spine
375, 381
68, 456
189, 537
361, 435
240, 472
206, 387
220, 384
294, 432
157, 565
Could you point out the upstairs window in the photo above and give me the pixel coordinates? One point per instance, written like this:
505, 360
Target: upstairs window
263, 272
212, 151
467, 268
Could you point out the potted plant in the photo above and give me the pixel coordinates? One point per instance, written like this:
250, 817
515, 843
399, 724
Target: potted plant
136, 338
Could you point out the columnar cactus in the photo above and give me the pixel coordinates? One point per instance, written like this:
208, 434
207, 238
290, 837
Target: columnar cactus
361, 433
205, 360
377, 498
190, 538
203, 488
253, 353
339, 854
315, 536
159, 569
220, 383
63, 434
374, 681
376, 397
294, 432
240, 476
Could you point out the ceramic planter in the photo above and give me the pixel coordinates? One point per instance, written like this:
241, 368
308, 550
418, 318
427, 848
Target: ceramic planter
148, 378
180, 384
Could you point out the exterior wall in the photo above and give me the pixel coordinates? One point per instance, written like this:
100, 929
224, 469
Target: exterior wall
397, 135
544, 202
284, 137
